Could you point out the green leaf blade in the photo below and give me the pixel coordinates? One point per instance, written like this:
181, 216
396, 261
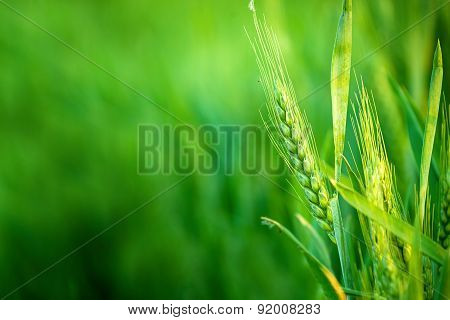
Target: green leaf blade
340, 81
430, 127
398, 227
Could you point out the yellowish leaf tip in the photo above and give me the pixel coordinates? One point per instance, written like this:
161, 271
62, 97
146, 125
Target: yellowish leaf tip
437, 61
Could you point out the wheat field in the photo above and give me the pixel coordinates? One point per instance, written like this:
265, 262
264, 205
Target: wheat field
78, 79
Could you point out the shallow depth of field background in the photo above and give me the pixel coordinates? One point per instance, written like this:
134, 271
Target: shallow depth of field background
68, 139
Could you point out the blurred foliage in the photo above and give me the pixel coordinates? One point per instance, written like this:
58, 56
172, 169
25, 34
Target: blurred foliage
68, 135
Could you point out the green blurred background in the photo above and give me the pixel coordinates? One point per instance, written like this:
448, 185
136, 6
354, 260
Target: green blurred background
68, 138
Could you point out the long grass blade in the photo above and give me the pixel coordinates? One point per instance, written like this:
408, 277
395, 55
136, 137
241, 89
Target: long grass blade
330, 285
340, 81
430, 128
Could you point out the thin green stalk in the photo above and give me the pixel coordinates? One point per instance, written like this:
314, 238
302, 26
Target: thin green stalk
328, 281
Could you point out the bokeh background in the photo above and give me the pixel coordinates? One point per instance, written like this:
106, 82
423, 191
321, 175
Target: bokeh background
68, 138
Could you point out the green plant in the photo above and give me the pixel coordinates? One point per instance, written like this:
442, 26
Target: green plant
400, 256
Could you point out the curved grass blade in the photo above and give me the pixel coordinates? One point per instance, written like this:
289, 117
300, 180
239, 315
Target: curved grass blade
398, 227
430, 128
328, 281
320, 246
340, 82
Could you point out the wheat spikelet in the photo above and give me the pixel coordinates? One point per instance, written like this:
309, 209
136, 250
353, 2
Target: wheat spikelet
380, 189
293, 135
444, 221
427, 278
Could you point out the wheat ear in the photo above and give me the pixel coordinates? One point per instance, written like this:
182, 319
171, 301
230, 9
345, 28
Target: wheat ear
380, 189
292, 132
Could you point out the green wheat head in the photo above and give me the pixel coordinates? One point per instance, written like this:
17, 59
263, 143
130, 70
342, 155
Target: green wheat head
379, 187
292, 132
